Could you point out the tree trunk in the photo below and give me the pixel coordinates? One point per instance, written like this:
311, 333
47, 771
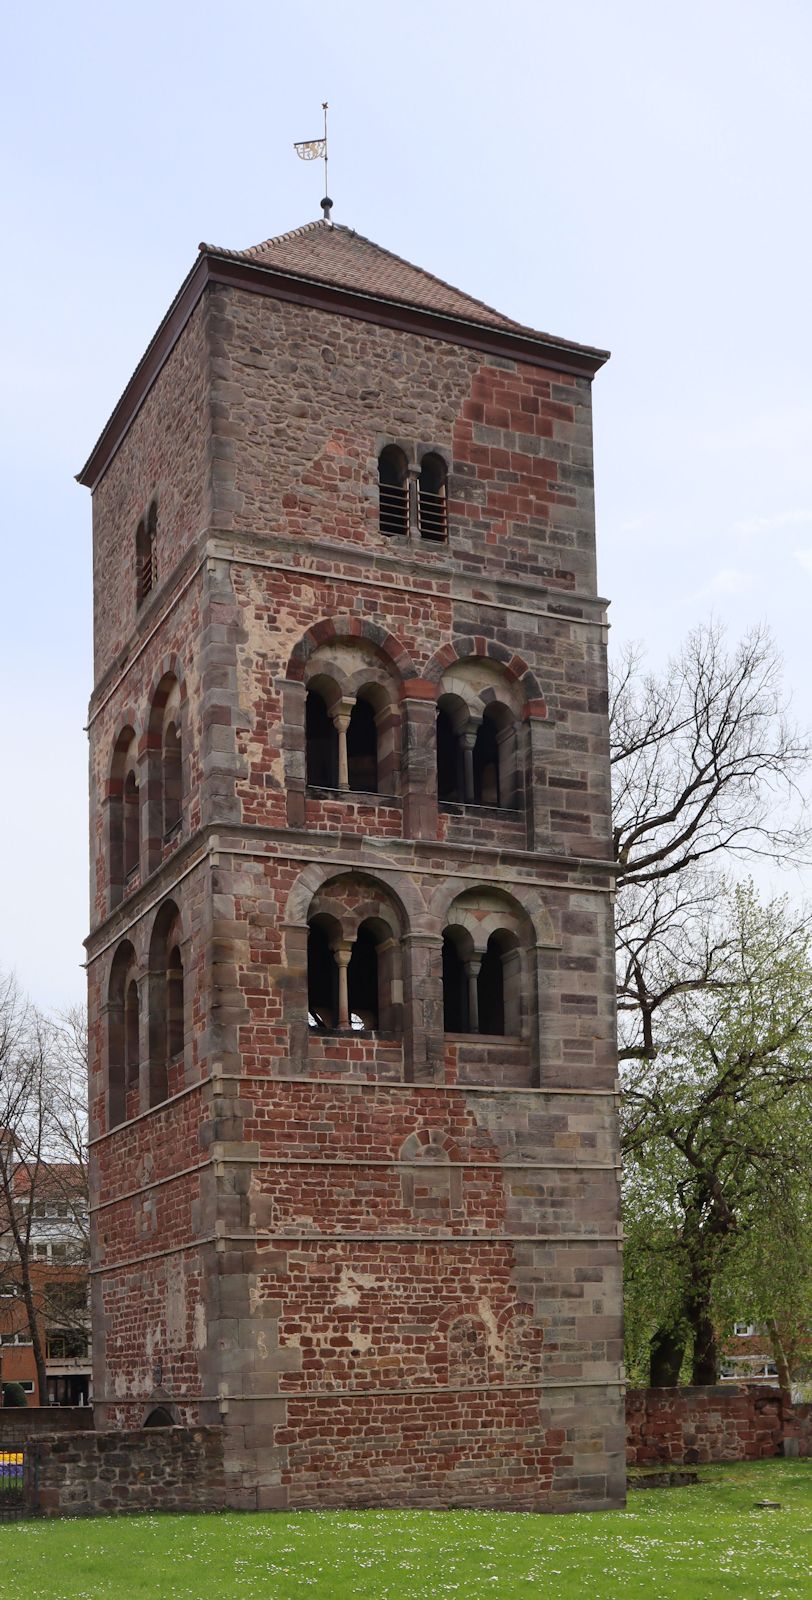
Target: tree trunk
705, 1362
780, 1358
666, 1351
36, 1340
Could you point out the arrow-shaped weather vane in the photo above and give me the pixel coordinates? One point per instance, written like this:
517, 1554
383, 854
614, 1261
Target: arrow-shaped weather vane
316, 150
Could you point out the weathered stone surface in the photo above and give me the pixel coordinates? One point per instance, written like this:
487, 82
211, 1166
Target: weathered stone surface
388, 1260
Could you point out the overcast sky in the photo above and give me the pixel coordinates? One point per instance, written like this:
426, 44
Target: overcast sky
621, 172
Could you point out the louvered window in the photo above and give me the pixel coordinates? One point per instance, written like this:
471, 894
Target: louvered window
393, 488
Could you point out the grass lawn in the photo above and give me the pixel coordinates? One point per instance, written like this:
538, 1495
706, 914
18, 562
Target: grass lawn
672, 1544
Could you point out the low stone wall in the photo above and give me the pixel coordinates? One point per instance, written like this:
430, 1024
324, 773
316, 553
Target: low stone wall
30, 1422
148, 1469
683, 1427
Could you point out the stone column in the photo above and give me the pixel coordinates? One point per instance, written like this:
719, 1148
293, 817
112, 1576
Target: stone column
342, 953
340, 714
472, 967
413, 489
468, 739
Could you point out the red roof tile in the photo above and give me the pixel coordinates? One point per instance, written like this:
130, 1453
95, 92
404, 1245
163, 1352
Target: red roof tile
327, 252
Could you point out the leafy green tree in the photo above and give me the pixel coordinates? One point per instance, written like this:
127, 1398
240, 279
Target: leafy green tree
717, 1136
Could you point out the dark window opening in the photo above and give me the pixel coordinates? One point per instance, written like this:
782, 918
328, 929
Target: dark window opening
122, 1031
322, 980
432, 499
146, 543
456, 1014
131, 1034
362, 980
393, 491
172, 779
132, 825
321, 740
491, 990
166, 1003
486, 765
159, 1418
450, 770
362, 748
174, 1004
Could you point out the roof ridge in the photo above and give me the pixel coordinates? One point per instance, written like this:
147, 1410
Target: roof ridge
443, 283
262, 253
278, 238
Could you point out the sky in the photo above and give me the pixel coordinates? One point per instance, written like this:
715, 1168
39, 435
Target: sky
622, 173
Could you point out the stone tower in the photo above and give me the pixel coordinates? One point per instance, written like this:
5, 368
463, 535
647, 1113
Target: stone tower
354, 1159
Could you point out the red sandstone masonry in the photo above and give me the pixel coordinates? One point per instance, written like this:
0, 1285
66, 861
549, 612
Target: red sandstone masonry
163, 1469
445, 1223
684, 1427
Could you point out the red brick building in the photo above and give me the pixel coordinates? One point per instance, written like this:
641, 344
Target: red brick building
53, 1213
354, 1156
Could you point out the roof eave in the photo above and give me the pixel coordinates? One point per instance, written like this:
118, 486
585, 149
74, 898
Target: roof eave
213, 267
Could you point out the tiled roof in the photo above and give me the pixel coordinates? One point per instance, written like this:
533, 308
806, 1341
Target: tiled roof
329, 253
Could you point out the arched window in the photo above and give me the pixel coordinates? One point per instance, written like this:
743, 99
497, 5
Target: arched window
393, 491
491, 989
362, 748
164, 785
481, 986
479, 712
432, 499
160, 1417
321, 743
146, 556
456, 1003
123, 814
132, 1048
362, 980
174, 1004
354, 958
322, 976
451, 717
166, 1001
172, 778
122, 1033
132, 825
494, 758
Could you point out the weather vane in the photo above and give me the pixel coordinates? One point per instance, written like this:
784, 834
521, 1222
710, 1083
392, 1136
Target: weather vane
316, 150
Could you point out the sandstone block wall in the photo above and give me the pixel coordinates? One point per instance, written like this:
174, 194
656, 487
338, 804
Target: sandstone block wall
389, 1261
164, 1469
684, 1427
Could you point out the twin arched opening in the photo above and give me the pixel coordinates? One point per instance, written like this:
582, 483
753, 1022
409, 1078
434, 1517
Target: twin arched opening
412, 501
157, 1037
355, 934
479, 727
486, 970
354, 976
352, 726
146, 791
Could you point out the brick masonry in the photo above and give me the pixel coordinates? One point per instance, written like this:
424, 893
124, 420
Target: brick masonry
103, 1474
686, 1427
388, 1263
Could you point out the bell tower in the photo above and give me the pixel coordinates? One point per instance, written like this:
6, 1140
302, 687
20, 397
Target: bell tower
351, 976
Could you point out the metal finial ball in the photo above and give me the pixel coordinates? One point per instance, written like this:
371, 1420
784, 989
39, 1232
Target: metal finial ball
326, 206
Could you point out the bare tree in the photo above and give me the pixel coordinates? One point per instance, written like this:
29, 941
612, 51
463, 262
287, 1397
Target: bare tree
42, 1158
706, 768
704, 759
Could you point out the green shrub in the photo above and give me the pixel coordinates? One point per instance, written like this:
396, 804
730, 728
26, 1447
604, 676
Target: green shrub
14, 1395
